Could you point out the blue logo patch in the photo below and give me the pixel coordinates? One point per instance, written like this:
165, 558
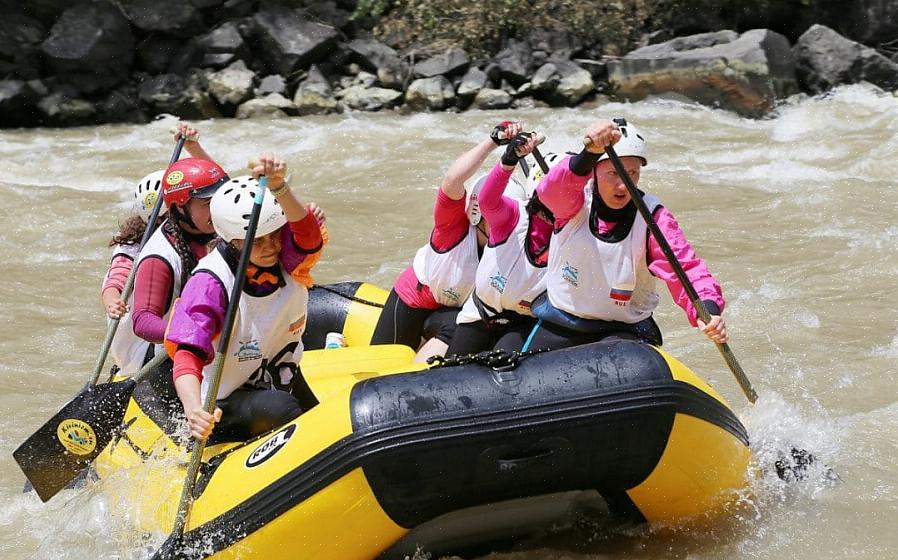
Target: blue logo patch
498, 283
569, 273
249, 350
452, 294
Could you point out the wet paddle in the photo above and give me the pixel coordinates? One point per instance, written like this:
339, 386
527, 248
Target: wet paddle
66, 445
129, 283
703, 314
217, 366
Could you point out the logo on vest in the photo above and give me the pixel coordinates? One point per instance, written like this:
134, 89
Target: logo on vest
449, 293
569, 273
498, 283
270, 447
249, 350
621, 294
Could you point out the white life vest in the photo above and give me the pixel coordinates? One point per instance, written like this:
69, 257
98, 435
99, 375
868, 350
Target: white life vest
127, 349
596, 279
449, 275
266, 343
506, 278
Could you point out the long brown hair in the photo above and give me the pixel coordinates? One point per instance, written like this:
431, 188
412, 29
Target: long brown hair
131, 232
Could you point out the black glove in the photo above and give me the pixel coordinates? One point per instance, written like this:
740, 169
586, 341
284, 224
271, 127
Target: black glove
498, 133
511, 157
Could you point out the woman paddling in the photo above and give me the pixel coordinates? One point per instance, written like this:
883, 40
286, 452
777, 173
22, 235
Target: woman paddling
602, 261
511, 272
427, 296
261, 384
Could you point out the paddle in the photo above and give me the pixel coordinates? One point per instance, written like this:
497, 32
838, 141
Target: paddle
218, 364
700, 309
63, 447
129, 283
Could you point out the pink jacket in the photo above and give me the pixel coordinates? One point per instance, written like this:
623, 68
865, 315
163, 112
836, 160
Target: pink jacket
562, 192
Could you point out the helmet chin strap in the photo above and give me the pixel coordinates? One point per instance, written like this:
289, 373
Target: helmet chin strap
184, 218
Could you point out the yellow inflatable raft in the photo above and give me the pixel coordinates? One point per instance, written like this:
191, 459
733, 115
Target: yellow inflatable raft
396, 457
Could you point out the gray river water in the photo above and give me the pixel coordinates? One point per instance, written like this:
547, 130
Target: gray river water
794, 215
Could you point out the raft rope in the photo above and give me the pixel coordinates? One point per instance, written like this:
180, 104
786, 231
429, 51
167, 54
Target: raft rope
496, 359
348, 296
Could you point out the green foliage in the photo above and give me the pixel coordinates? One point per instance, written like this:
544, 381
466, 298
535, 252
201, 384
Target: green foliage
485, 27
373, 8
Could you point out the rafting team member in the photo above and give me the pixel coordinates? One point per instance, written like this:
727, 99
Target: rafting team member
166, 260
511, 272
426, 297
261, 385
602, 261
126, 243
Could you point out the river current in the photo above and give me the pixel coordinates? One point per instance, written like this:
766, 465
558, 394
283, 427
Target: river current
794, 215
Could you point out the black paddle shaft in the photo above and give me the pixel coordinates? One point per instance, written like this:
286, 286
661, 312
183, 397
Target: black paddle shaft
703, 314
129, 283
218, 364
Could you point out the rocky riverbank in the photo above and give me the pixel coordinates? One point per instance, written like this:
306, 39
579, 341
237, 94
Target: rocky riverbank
91, 62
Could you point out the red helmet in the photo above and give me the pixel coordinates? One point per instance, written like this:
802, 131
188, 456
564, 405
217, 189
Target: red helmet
191, 178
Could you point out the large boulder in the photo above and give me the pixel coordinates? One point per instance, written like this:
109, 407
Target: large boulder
91, 47
873, 21
472, 82
20, 40
272, 106
18, 101
57, 109
314, 95
370, 99
434, 93
562, 82
174, 17
825, 59
176, 95
450, 62
513, 63
156, 52
380, 59
222, 46
744, 73
287, 42
233, 85
489, 98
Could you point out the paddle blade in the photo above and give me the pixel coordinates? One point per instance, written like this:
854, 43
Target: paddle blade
63, 447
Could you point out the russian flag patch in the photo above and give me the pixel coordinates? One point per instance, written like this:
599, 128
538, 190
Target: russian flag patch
621, 293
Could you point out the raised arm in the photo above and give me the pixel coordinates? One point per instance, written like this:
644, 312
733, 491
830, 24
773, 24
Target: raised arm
191, 141
468, 163
561, 190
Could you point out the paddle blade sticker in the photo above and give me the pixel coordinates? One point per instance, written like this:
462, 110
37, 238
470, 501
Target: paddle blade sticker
63, 447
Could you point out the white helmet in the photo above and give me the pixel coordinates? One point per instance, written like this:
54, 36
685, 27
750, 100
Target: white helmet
472, 206
232, 205
146, 192
632, 143
514, 189
536, 172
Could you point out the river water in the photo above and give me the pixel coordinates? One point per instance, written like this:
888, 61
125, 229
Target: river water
794, 215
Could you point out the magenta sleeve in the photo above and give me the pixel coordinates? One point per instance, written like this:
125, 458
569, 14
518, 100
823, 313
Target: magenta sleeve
450, 222
561, 190
118, 272
153, 284
500, 211
705, 285
199, 314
